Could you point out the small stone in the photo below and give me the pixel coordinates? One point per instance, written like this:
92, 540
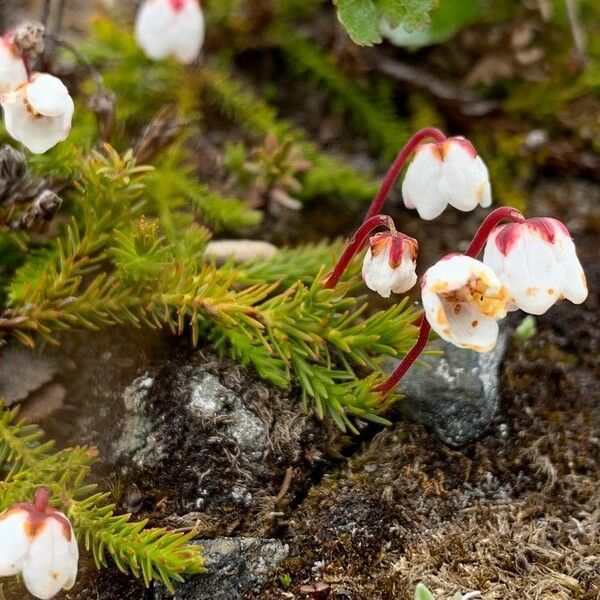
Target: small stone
458, 395
236, 567
240, 250
22, 372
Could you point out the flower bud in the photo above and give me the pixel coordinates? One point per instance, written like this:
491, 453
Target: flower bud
390, 263
463, 299
38, 542
442, 173
39, 112
12, 66
166, 28
537, 262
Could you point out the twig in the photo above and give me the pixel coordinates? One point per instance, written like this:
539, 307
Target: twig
60, 16
470, 104
94, 73
576, 29
285, 486
46, 12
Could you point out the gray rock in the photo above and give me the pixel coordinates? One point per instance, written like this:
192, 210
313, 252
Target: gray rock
137, 440
458, 395
236, 566
209, 399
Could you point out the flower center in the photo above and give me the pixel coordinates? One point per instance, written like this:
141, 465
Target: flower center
476, 294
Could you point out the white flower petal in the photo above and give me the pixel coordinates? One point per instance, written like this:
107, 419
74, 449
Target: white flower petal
458, 317
12, 68
162, 31
455, 271
190, 35
153, 24
48, 95
575, 286
420, 188
39, 133
52, 561
532, 275
14, 542
471, 329
465, 178
381, 277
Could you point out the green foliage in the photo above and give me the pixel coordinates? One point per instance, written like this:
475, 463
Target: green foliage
27, 463
362, 18
446, 19
328, 177
110, 265
372, 116
422, 593
173, 186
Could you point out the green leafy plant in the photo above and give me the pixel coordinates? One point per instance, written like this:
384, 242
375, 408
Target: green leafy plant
362, 18
422, 592
27, 462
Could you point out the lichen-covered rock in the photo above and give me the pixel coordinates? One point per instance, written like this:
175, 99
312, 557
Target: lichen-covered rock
457, 396
236, 566
198, 441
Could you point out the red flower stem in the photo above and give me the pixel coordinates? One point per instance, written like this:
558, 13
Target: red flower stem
489, 224
475, 247
355, 245
42, 497
394, 170
392, 381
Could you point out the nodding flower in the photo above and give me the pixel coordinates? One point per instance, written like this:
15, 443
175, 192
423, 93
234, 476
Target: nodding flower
39, 112
537, 262
166, 28
13, 71
463, 300
390, 262
446, 172
38, 542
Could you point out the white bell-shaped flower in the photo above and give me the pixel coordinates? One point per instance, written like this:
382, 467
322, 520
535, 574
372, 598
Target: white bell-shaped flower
39, 112
390, 262
166, 28
15, 541
537, 262
12, 66
442, 173
38, 542
463, 300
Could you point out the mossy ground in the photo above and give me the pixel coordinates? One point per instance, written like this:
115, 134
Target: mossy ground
514, 515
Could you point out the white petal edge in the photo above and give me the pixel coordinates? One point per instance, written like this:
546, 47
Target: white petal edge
50, 563
14, 542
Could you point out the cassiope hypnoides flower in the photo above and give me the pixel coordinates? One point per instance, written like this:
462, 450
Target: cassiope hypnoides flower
447, 172
38, 542
390, 262
166, 28
537, 262
12, 66
463, 299
39, 112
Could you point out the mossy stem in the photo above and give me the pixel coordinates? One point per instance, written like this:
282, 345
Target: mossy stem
355, 244
394, 170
